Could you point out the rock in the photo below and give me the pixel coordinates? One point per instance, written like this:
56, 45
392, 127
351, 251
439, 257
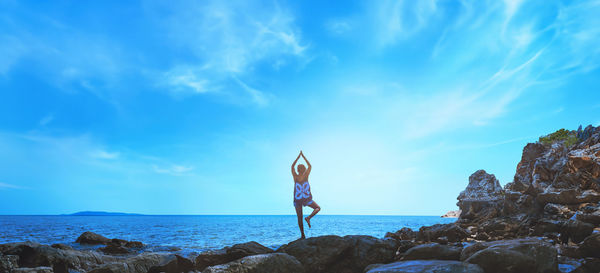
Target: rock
483, 197
482, 187
90, 238
589, 265
577, 230
523, 177
363, 251
425, 267
569, 251
62, 246
403, 246
273, 262
173, 264
433, 251
229, 254
35, 255
518, 255
212, 257
590, 247
442, 233
8, 262
402, 234
134, 245
502, 260
113, 249
41, 269
141, 263
452, 214
558, 209
318, 254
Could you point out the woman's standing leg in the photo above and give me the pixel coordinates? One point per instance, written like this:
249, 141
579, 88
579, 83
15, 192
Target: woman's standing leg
316, 209
300, 224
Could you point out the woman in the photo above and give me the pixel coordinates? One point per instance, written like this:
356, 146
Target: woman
302, 194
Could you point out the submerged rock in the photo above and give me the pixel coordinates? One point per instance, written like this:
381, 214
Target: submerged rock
90, 238
273, 262
425, 266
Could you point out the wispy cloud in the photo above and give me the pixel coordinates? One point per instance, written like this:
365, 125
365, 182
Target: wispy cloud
395, 20
176, 170
46, 119
9, 186
229, 39
102, 154
338, 26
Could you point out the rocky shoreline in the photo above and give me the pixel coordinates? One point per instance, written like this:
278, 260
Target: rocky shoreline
546, 220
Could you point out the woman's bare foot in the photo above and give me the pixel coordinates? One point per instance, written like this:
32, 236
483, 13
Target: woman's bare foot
307, 220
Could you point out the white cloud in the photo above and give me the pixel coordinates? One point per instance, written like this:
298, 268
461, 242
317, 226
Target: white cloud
102, 154
396, 20
187, 79
176, 170
229, 40
47, 119
338, 26
9, 186
257, 96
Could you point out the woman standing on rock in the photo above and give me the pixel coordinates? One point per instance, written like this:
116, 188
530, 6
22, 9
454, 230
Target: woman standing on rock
302, 194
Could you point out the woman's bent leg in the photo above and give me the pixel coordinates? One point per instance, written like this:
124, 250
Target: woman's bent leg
316, 209
300, 224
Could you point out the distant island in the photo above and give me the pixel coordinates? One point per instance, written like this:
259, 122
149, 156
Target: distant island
101, 213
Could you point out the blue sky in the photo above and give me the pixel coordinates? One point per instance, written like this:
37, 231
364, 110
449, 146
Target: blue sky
199, 107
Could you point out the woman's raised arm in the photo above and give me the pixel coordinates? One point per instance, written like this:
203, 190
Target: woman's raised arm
294, 165
307, 172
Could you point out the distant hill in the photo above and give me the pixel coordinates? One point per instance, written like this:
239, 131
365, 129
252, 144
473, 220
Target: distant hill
100, 213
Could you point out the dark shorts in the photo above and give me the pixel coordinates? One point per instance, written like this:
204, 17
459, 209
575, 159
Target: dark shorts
301, 202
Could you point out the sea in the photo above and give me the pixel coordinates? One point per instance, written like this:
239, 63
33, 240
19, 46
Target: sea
190, 234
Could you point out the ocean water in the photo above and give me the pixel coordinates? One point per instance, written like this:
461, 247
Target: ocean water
192, 234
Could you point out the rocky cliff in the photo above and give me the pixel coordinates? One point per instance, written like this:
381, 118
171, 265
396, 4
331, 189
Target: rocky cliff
555, 191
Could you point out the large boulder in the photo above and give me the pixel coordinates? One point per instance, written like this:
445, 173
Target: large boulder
318, 254
578, 230
590, 247
425, 266
404, 233
273, 263
35, 255
173, 264
141, 263
433, 251
228, 254
442, 233
363, 251
518, 255
483, 197
90, 238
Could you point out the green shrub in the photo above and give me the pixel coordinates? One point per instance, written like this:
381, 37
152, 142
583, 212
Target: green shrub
569, 137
